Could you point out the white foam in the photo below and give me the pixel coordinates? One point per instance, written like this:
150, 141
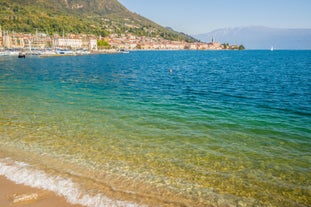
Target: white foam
22, 173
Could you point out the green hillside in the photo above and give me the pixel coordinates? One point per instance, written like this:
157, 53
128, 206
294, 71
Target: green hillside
100, 17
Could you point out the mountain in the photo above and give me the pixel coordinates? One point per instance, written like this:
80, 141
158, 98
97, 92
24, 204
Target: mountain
100, 17
257, 37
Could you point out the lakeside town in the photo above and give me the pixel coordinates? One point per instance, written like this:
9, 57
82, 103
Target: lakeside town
12, 43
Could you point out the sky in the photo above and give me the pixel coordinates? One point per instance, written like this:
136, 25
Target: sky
202, 16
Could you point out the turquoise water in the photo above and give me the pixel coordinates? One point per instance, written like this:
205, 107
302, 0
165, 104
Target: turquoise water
222, 128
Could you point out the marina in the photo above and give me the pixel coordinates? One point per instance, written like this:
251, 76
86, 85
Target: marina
56, 53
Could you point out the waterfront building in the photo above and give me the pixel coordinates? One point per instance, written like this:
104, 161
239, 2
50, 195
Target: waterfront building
1, 41
17, 41
68, 43
89, 43
6, 40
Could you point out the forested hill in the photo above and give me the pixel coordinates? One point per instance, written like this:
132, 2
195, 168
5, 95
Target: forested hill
100, 17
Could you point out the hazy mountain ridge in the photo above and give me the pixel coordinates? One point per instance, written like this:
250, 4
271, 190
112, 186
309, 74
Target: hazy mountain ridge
100, 17
258, 37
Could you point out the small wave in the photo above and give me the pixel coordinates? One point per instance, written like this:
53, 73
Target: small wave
23, 173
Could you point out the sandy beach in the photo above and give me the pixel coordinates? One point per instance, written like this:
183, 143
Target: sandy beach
12, 194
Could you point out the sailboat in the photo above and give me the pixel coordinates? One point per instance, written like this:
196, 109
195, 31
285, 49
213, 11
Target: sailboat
271, 49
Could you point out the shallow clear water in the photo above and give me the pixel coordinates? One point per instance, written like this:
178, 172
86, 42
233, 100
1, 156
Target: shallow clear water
223, 128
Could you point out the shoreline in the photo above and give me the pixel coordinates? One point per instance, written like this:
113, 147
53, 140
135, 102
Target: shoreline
22, 195
40, 187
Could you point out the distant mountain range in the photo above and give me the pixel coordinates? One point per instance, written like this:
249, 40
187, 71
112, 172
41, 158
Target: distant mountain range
100, 17
258, 37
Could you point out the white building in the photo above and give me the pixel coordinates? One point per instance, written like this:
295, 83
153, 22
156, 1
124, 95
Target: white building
93, 44
68, 43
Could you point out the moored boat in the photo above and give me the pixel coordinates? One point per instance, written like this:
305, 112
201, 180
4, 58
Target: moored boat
21, 55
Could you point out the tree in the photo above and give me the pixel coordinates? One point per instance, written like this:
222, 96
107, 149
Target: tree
102, 44
241, 47
225, 45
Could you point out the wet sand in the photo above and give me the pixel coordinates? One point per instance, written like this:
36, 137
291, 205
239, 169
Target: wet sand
12, 194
